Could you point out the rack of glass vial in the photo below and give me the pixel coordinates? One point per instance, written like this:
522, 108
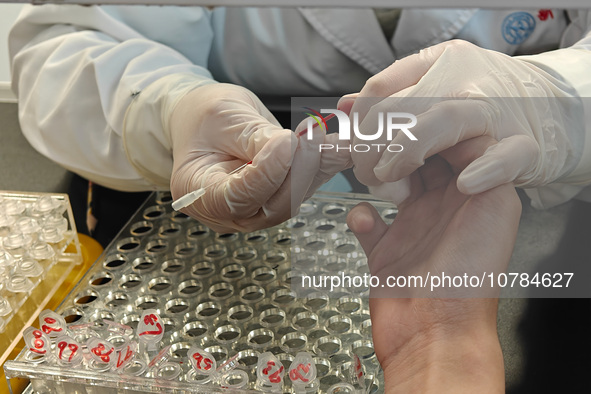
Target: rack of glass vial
174, 307
36, 232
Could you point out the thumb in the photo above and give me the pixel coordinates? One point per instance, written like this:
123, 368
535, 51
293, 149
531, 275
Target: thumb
513, 158
367, 225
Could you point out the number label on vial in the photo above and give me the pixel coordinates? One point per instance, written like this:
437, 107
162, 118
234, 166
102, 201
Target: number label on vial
299, 373
302, 369
68, 350
202, 361
124, 354
150, 327
100, 350
269, 369
273, 372
37, 341
51, 323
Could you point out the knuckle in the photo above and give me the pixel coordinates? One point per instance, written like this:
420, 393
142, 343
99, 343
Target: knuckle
449, 109
490, 115
374, 86
459, 45
212, 107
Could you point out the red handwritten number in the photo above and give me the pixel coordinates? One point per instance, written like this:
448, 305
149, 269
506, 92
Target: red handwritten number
99, 351
268, 369
38, 343
152, 319
206, 361
295, 374
275, 377
48, 329
544, 14
62, 346
73, 348
128, 355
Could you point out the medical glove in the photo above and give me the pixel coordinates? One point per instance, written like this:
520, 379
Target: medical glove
459, 91
218, 127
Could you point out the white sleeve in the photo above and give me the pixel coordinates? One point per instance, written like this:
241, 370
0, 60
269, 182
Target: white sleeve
572, 64
76, 70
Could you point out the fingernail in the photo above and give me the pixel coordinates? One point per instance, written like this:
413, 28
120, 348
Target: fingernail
362, 222
383, 171
345, 103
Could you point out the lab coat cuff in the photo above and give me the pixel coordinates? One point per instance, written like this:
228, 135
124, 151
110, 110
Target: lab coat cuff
553, 194
146, 132
572, 65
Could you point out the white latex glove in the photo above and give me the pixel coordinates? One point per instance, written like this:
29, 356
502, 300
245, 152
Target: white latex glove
218, 127
538, 139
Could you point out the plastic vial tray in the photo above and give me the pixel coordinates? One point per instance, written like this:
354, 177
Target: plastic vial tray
37, 232
233, 295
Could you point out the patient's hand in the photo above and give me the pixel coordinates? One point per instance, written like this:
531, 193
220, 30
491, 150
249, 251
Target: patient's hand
446, 343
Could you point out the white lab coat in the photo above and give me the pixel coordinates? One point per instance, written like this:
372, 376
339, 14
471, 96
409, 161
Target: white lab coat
90, 80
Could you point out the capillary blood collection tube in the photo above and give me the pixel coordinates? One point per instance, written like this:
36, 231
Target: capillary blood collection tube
195, 195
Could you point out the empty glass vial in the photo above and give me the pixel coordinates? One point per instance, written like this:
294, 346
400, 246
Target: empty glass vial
43, 253
17, 243
46, 205
28, 267
54, 237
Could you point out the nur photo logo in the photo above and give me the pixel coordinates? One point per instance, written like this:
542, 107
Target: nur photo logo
389, 123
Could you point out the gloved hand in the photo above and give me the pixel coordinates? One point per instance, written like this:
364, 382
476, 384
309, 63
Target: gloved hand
218, 127
532, 114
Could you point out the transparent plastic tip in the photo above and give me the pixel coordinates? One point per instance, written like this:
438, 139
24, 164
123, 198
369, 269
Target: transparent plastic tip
193, 196
188, 199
